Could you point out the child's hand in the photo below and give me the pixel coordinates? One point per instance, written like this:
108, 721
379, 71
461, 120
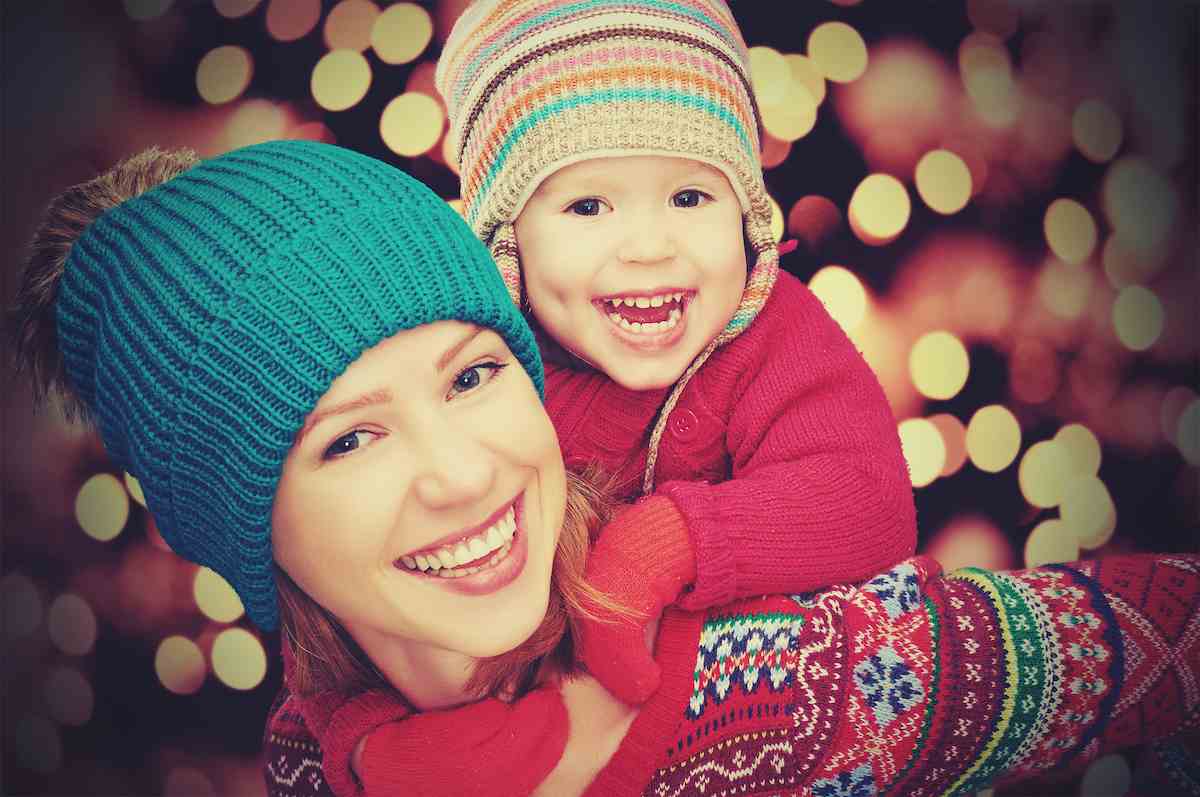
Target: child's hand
643, 561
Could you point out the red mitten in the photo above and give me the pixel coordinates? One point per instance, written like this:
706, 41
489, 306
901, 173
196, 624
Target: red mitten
643, 559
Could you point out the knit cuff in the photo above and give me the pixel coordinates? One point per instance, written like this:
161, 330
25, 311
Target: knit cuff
654, 531
716, 577
356, 718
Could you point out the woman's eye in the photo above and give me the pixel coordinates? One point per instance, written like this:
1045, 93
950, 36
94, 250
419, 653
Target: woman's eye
473, 376
348, 443
586, 207
689, 198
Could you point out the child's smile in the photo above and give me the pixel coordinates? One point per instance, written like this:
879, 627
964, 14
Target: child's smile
634, 263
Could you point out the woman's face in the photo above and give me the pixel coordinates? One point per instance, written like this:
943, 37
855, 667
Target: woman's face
422, 501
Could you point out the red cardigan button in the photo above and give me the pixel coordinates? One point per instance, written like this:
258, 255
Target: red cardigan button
684, 425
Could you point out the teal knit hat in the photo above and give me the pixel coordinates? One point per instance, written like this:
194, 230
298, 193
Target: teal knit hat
203, 320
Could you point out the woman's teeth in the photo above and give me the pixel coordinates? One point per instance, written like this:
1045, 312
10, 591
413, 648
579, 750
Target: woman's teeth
455, 561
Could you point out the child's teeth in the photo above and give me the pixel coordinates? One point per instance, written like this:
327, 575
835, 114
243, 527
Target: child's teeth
642, 301
657, 301
615, 302
674, 316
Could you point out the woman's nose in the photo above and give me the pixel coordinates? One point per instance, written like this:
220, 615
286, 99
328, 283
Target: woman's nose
452, 468
648, 238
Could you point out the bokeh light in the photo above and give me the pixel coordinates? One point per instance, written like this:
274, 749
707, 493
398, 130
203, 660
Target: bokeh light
22, 606
843, 295
1043, 473
134, 488
837, 51
349, 25
993, 438
997, 17
411, 124
1123, 267
923, 449
1088, 512
340, 79
986, 71
144, 10
102, 507
1106, 776
223, 74
215, 597
1140, 203
1187, 434
254, 122
1034, 372
401, 33
188, 782
71, 624
806, 75
1064, 289
1081, 447
970, 541
813, 219
1138, 318
1050, 542
939, 365
232, 9
289, 20
38, 744
943, 181
770, 75
793, 116
1070, 230
1174, 402
1096, 130
69, 696
238, 659
954, 440
179, 665
879, 209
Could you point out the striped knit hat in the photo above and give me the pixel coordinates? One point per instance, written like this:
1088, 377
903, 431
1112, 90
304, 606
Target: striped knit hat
202, 321
532, 86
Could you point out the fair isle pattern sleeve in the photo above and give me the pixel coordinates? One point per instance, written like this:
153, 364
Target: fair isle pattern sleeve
291, 756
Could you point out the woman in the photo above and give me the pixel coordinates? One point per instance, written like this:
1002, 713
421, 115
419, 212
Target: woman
314, 370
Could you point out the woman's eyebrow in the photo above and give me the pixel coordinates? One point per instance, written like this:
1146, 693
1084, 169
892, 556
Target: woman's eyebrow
452, 352
365, 400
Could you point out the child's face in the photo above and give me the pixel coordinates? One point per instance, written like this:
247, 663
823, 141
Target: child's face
634, 263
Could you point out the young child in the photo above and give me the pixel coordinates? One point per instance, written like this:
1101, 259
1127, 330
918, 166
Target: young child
610, 157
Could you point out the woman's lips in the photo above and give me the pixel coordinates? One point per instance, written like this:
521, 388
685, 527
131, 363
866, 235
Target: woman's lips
481, 564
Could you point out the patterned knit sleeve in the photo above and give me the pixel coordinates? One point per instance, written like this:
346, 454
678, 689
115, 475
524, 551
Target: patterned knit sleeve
819, 491
291, 755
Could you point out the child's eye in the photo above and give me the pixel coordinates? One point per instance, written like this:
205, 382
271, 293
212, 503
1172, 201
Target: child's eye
348, 443
587, 207
689, 198
474, 376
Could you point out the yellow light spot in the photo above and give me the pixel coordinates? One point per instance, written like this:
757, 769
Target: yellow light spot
238, 659
223, 74
349, 24
401, 33
1064, 289
837, 51
69, 696
21, 606
805, 75
458, 206
1137, 317
986, 71
1174, 403
1123, 267
970, 541
179, 665
842, 294
1043, 473
450, 153
943, 181
1088, 512
38, 745
233, 9
813, 219
982, 51
770, 75
1081, 447
1140, 204
1050, 543
879, 209
182, 781
1070, 230
993, 438
793, 117
215, 597
102, 507
777, 222
998, 17
1187, 434
134, 487
340, 79
254, 122
774, 151
289, 20
1106, 775
1096, 129
71, 624
411, 124
954, 438
1033, 371
923, 450
143, 10
938, 365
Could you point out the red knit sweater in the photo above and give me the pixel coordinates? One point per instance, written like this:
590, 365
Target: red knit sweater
782, 455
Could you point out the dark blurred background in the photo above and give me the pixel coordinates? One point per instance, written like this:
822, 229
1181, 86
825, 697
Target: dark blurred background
996, 198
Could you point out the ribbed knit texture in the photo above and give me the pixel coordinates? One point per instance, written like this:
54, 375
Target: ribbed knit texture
782, 454
534, 85
913, 683
203, 320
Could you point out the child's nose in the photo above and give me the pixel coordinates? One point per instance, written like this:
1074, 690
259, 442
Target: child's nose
649, 238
